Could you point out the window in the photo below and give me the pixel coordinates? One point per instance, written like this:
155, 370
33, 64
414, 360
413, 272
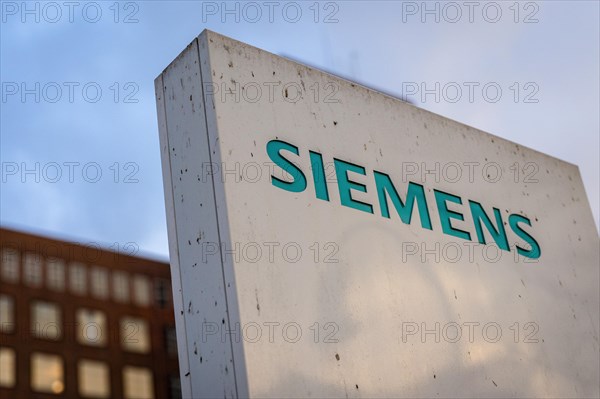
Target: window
91, 327
135, 335
47, 373
55, 274
7, 314
94, 379
99, 282
33, 269
10, 265
77, 277
120, 286
175, 387
141, 290
137, 383
7, 365
163, 292
46, 320
171, 341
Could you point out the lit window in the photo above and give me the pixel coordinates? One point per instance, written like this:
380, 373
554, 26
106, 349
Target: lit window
94, 379
171, 341
141, 290
77, 277
55, 274
120, 286
163, 292
91, 327
46, 320
47, 374
32, 268
137, 383
99, 282
7, 314
10, 265
135, 335
7, 365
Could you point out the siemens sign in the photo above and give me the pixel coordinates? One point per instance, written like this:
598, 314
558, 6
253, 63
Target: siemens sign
317, 323
387, 192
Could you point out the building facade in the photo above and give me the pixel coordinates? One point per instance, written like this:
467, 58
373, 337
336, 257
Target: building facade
78, 321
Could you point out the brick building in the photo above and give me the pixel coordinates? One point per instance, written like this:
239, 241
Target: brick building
80, 321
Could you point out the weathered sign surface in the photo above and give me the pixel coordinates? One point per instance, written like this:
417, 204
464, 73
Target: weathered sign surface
327, 240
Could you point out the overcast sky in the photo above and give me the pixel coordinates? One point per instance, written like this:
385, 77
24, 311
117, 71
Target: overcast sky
544, 56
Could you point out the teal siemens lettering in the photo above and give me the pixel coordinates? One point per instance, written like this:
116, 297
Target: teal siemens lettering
390, 200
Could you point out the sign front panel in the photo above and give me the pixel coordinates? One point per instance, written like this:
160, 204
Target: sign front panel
365, 247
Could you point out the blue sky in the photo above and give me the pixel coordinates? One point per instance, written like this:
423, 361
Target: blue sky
543, 55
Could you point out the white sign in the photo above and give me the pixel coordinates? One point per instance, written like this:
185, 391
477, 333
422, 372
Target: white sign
327, 240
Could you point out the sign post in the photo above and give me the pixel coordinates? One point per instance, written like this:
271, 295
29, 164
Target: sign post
327, 240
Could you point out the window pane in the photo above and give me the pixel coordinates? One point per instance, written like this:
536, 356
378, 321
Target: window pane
7, 365
46, 320
33, 269
99, 281
137, 383
120, 286
141, 290
135, 335
55, 274
91, 327
94, 380
175, 387
77, 278
10, 265
163, 292
47, 373
171, 341
7, 314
